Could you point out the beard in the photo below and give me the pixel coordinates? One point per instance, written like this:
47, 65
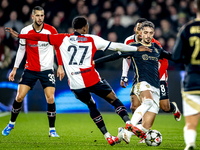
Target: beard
39, 24
147, 41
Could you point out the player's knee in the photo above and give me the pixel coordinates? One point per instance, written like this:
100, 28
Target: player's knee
148, 102
165, 108
19, 98
50, 99
133, 108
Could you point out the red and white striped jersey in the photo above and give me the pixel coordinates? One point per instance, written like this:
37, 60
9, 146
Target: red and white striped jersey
40, 55
77, 53
163, 63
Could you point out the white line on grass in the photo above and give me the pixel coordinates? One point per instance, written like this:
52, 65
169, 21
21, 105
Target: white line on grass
4, 114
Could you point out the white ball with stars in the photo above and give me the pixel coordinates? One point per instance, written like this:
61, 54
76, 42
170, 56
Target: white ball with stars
154, 138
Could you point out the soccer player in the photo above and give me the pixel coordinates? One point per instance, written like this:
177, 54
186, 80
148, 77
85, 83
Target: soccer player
39, 66
165, 104
77, 51
187, 51
146, 80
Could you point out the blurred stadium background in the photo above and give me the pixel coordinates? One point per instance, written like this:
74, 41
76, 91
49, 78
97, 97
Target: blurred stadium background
113, 20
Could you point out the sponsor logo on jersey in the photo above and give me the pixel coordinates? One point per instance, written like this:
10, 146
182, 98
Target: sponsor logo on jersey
146, 57
78, 72
39, 45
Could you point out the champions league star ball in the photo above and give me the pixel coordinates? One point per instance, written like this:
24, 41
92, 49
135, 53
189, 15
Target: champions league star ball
154, 138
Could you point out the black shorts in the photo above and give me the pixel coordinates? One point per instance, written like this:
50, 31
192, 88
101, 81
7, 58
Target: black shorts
47, 78
163, 90
102, 89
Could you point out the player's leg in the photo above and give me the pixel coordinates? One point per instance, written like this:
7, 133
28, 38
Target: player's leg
135, 103
51, 110
165, 104
84, 96
47, 79
26, 83
191, 109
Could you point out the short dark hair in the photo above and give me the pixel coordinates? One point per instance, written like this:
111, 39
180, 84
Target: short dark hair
140, 20
37, 8
79, 22
147, 24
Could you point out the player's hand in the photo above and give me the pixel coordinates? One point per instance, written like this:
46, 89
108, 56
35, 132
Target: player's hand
60, 72
124, 82
11, 31
143, 49
12, 75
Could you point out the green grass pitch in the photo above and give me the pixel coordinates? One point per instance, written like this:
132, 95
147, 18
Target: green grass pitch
77, 131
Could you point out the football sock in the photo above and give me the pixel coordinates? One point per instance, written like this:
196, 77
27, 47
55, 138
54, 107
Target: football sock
139, 126
107, 135
52, 129
172, 107
141, 110
120, 109
51, 113
97, 118
189, 136
17, 106
12, 123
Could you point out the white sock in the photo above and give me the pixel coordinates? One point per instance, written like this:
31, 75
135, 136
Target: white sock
139, 126
141, 110
107, 135
52, 128
128, 122
13, 123
189, 136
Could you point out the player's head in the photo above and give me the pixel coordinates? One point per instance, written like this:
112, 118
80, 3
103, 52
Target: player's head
197, 5
38, 15
138, 27
147, 29
80, 25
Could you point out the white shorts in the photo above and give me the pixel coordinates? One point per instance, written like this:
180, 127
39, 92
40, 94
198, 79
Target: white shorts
143, 86
191, 103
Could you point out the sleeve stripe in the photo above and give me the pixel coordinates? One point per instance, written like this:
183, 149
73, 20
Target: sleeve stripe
48, 39
107, 46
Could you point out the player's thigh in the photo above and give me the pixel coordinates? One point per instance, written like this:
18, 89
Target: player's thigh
191, 104
135, 101
83, 95
21, 92
192, 121
148, 119
47, 78
49, 94
104, 90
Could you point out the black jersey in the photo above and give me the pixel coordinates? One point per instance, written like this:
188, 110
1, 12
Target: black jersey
146, 65
187, 50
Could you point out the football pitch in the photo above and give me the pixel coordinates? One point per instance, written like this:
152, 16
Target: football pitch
77, 131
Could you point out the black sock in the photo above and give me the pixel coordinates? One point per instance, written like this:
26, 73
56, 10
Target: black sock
17, 106
120, 109
172, 107
51, 113
97, 118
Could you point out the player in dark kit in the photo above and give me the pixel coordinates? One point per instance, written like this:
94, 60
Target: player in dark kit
187, 51
146, 81
165, 104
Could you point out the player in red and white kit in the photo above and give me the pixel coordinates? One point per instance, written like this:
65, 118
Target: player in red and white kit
77, 51
165, 104
39, 66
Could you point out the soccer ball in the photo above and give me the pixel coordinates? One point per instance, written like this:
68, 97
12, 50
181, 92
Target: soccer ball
154, 138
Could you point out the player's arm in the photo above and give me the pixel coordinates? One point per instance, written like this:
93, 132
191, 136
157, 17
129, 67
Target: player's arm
111, 57
125, 68
19, 57
177, 52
